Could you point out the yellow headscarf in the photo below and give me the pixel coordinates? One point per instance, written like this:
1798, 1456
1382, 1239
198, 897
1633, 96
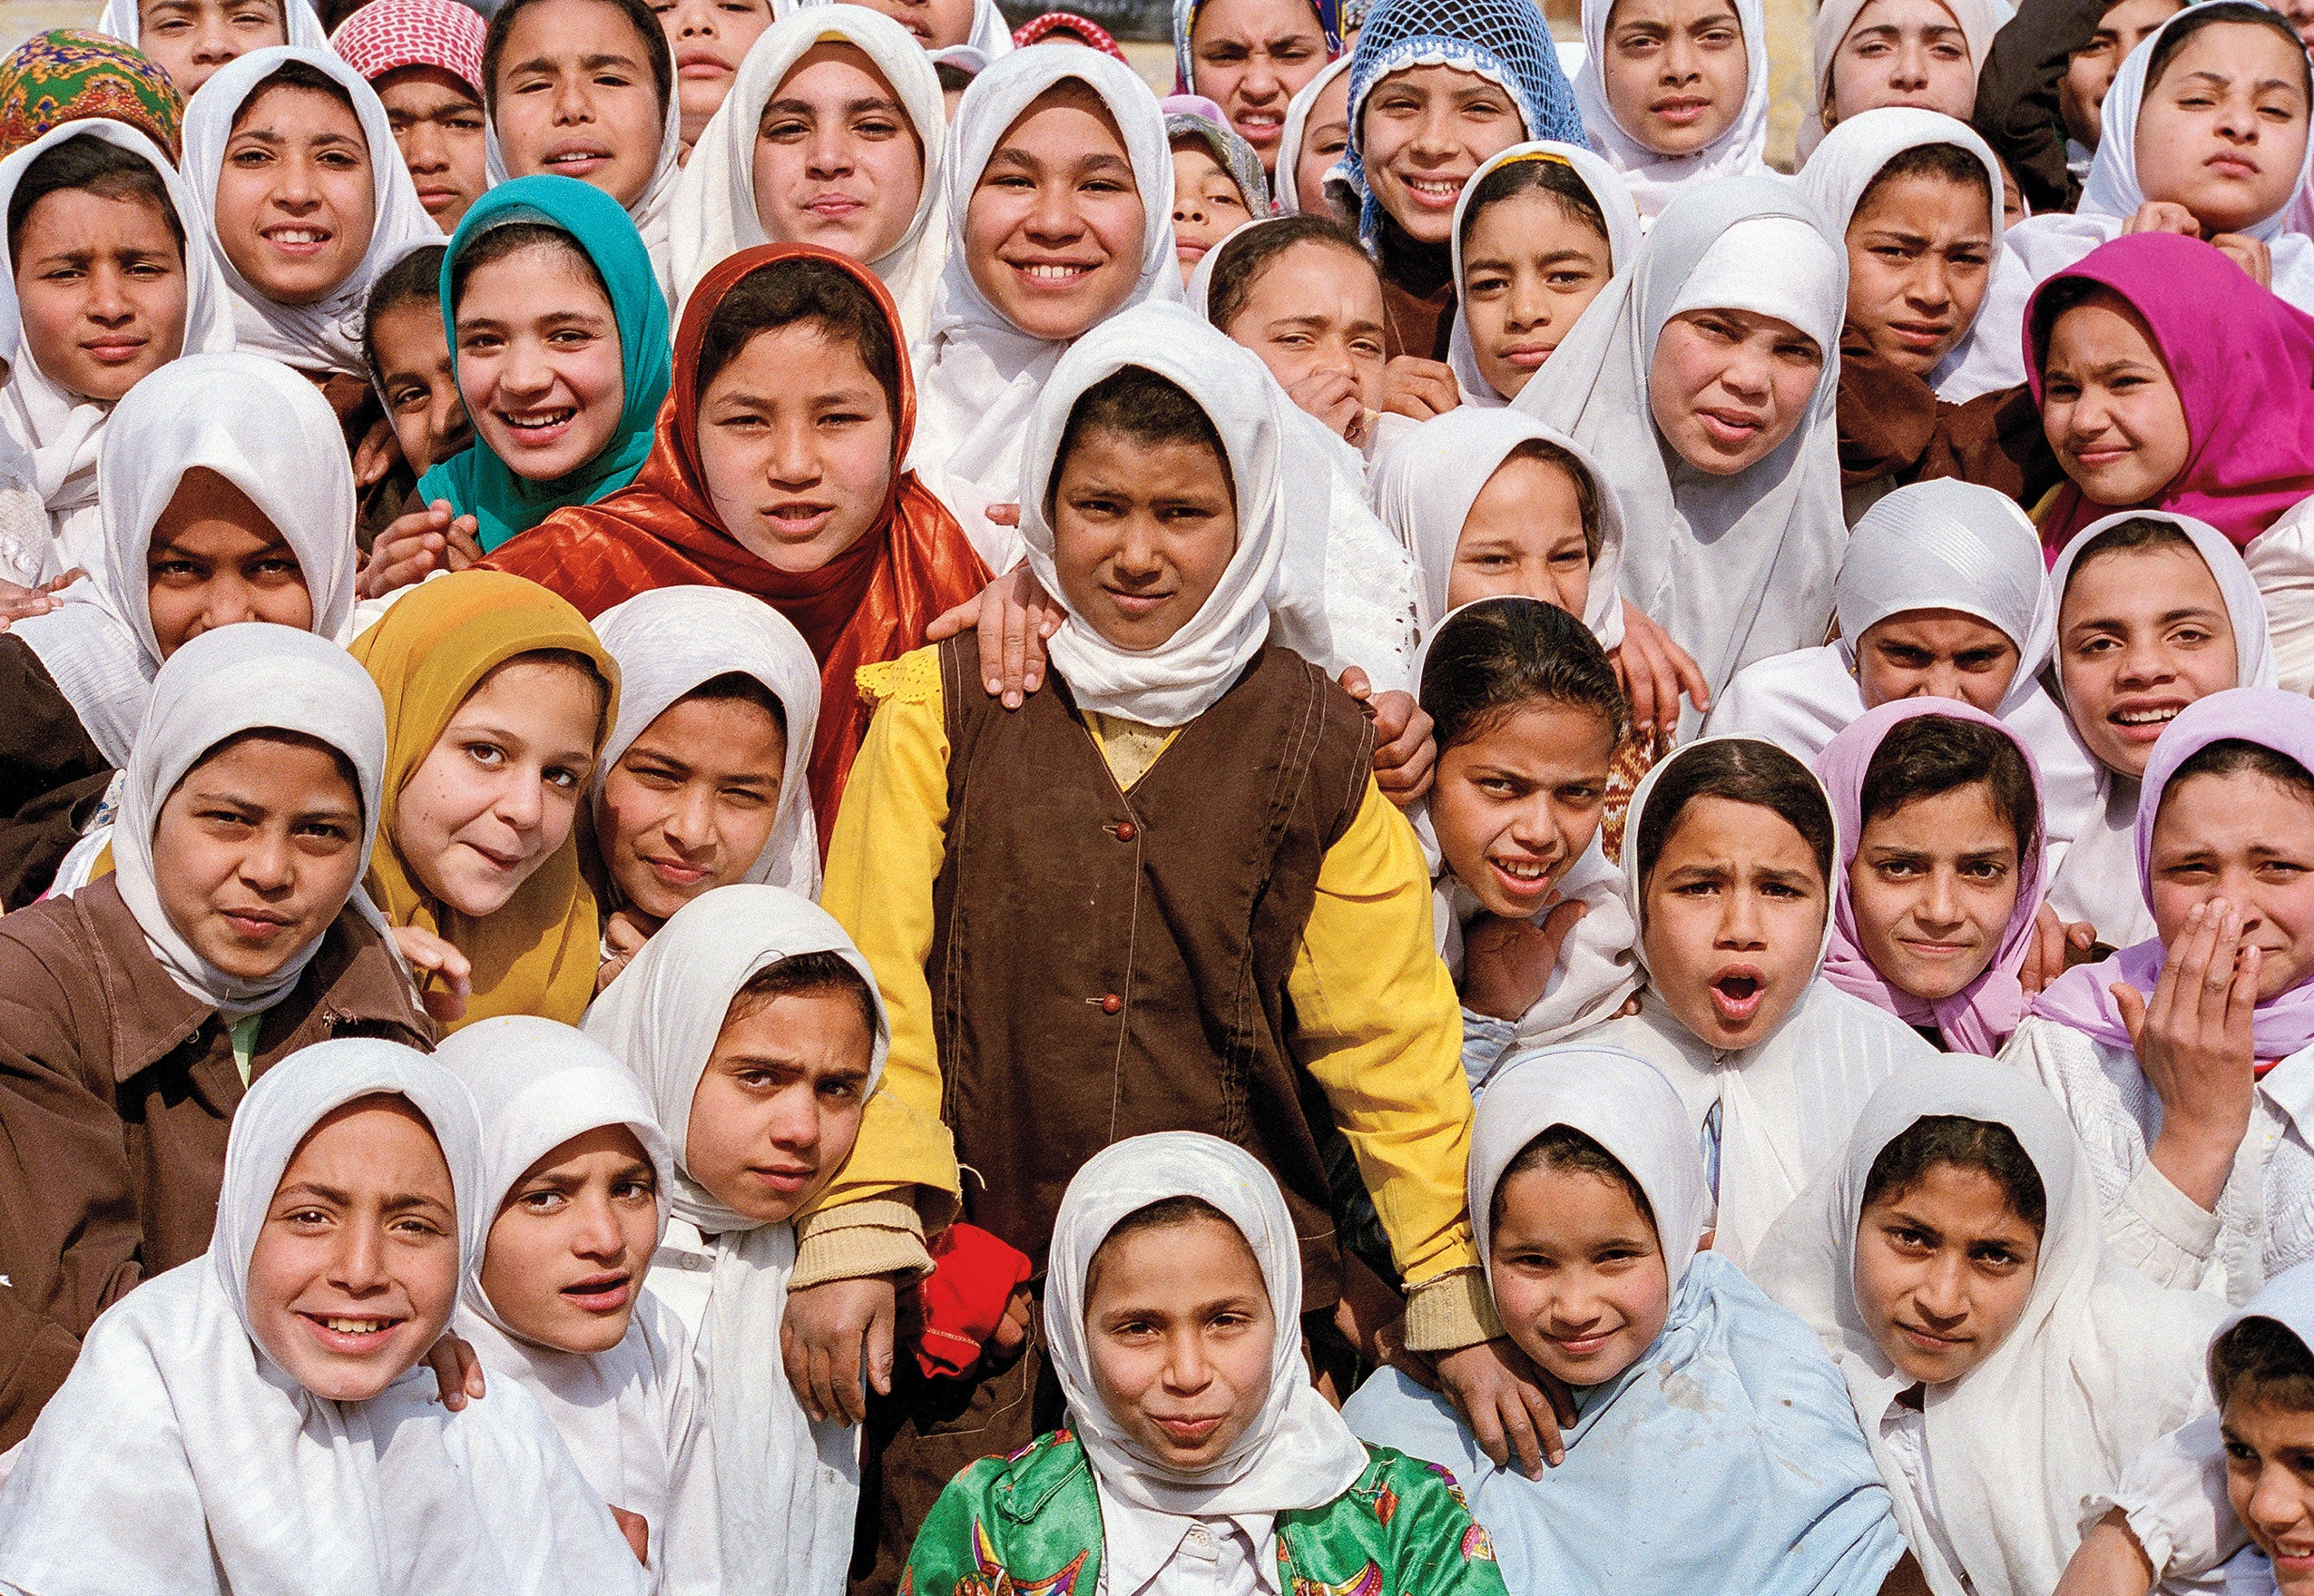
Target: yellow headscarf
537, 954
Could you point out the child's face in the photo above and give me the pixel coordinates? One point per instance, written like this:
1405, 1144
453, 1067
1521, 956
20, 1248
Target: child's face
1517, 803
708, 39
2141, 634
256, 852
1427, 130
1530, 268
438, 126
1180, 1331
191, 40
1734, 916
837, 163
2246, 839
1932, 888
575, 98
937, 24
1250, 57
572, 1241
2224, 134
1919, 258
296, 196
795, 443
1579, 1278
539, 362
1901, 52
1207, 205
2269, 1481
1935, 654
1943, 1272
356, 1269
420, 383
1728, 386
1141, 532
1325, 134
214, 559
1524, 538
101, 287
778, 1106
690, 805
497, 792
2081, 92
1317, 312
1675, 71
1053, 230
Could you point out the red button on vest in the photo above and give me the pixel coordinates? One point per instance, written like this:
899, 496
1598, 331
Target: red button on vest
1125, 832
1112, 1004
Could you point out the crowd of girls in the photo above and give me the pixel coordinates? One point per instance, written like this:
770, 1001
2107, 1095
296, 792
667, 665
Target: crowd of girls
805, 798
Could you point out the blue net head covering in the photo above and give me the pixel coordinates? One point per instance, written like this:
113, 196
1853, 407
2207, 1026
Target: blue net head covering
1185, 19
1504, 41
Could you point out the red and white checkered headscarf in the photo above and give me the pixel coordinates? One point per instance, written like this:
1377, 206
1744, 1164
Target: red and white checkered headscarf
386, 34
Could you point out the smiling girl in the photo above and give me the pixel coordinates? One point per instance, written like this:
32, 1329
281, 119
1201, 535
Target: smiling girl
832, 135
498, 701
1673, 91
1252, 57
1727, 863
347, 1224
1591, 1207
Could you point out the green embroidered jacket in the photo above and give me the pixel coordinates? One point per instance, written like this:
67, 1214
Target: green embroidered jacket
1030, 1525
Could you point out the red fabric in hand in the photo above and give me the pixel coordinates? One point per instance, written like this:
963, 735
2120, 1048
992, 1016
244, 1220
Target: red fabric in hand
973, 1278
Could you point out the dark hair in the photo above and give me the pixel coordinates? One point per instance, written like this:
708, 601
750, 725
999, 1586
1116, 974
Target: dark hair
639, 17
2262, 1360
1162, 1214
1586, 489
1545, 174
801, 290
1950, 162
2230, 754
1146, 407
414, 279
86, 163
1744, 771
296, 74
2174, 35
737, 687
1562, 1147
825, 974
496, 243
2069, 293
1930, 755
2139, 531
1982, 1145
1245, 257
1493, 659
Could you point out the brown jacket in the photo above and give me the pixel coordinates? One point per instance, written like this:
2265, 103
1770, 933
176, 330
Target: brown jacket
52, 775
116, 1092
1892, 424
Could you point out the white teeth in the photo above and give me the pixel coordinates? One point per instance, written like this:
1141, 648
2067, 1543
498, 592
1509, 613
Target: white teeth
528, 423
1523, 869
2145, 716
1056, 273
292, 235
355, 1327
1421, 187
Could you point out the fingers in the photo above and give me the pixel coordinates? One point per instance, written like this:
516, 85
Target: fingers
991, 628
949, 622
1003, 514
795, 1361
1015, 654
879, 1357
2131, 1003
1544, 1422
1518, 1430
1357, 684
466, 542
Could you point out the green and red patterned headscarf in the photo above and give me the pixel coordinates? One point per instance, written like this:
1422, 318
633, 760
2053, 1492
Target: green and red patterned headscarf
71, 75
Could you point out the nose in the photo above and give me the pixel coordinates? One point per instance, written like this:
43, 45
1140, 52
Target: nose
1682, 63
424, 149
1747, 376
571, 101
1187, 1368
2276, 1502
521, 797
1136, 558
215, 46
1188, 208
226, 600
1528, 304
1434, 136
597, 1235
690, 824
108, 300
268, 864
1534, 829
293, 188
1940, 1294
357, 1265
1909, 67
830, 153
2144, 661
793, 462
1260, 83
1930, 287
794, 1123
1941, 905
1054, 219
523, 370
1740, 919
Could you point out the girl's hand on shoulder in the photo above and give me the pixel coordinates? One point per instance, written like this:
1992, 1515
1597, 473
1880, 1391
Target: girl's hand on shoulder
16, 603
2056, 946
1654, 672
832, 1332
418, 544
457, 1372
1513, 1409
1404, 755
1013, 616
2250, 254
429, 958
2194, 1041
1420, 388
1506, 964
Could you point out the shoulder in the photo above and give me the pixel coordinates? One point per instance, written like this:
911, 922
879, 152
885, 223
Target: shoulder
1827, 1005
51, 952
359, 977
1780, 1363
1037, 1505
1398, 1419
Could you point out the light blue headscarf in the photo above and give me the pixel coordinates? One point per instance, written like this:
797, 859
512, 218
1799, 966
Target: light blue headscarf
1726, 1458
476, 482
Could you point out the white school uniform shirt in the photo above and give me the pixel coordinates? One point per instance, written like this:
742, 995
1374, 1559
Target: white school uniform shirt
1160, 1554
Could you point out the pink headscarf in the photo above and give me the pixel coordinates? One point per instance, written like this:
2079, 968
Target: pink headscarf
2082, 999
1980, 1015
386, 36
2243, 362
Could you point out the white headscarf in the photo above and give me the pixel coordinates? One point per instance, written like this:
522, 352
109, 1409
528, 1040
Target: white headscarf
1978, 20
246, 678
1736, 568
623, 1413
1281, 525
181, 1460
60, 427
978, 375
324, 336
1298, 1453
673, 641
122, 21
768, 1500
2100, 1363
1612, 196
277, 441
714, 215
991, 35
1739, 151
1284, 184
1425, 487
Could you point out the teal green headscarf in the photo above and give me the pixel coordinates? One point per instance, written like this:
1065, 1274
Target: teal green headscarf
476, 482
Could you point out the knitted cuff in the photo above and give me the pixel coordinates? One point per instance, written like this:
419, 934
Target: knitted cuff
880, 1236
1450, 1311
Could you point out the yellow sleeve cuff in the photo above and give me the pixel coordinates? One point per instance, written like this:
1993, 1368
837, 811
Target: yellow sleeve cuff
860, 1239
1450, 1311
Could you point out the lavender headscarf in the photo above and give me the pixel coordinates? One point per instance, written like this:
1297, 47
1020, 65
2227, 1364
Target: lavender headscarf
1980, 1015
2082, 999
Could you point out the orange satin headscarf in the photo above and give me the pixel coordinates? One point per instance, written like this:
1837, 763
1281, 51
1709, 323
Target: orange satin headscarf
537, 954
